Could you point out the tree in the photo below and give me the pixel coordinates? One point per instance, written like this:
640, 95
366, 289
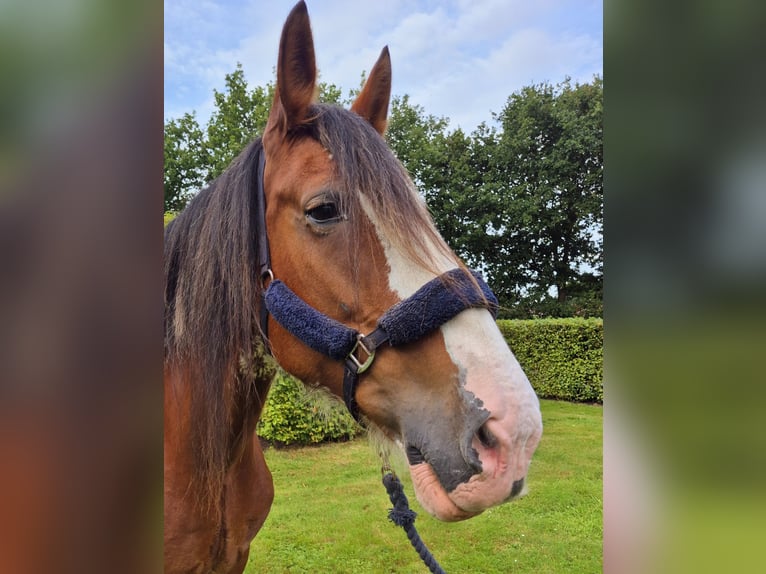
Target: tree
548, 186
194, 158
240, 116
185, 166
414, 138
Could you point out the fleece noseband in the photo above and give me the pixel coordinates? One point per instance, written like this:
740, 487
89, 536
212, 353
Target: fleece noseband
411, 319
427, 309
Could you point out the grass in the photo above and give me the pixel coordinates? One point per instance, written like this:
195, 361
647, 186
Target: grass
330, 508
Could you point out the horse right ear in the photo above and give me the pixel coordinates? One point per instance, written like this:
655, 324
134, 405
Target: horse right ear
296, 72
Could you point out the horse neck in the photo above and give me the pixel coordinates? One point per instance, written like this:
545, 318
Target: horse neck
241, 395
249, 396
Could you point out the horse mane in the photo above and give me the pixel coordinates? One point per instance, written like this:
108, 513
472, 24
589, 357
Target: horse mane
212, 288
212, 293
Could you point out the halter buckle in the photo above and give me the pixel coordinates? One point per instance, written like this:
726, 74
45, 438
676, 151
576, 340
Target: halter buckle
361, 367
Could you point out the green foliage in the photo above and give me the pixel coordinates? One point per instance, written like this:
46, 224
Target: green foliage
294, 414
240, 116
195, 156
413, 137
185, 161
563, 358
584, 298
547, 189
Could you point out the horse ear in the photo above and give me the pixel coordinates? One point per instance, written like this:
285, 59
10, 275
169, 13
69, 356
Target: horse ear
296, 71
372, 101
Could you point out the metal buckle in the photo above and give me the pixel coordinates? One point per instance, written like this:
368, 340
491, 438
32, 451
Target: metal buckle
361, 367
266, 276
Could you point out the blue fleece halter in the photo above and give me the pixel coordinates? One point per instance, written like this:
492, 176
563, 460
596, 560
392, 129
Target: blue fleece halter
427, 309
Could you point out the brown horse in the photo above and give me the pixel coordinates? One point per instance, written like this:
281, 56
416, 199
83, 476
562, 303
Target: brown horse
347, 238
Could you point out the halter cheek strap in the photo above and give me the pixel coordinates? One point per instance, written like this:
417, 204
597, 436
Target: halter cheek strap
427, 309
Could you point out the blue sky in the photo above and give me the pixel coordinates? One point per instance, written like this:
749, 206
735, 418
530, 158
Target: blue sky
460, 59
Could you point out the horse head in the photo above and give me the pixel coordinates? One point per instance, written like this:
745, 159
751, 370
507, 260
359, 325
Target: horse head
351, 238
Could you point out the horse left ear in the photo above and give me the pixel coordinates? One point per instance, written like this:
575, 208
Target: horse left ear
296, 72
372, 101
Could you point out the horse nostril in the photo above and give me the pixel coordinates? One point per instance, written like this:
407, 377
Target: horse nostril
414, 455
516, 488
485, 436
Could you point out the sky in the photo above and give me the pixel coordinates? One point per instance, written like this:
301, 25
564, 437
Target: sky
458, 59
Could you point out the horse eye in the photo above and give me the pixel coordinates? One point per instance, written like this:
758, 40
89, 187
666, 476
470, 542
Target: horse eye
323, 214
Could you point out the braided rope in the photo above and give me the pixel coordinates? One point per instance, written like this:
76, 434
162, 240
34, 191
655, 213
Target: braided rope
403, 516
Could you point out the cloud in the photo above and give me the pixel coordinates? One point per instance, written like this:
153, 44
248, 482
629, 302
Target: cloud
463, 64
460, 59
531, 56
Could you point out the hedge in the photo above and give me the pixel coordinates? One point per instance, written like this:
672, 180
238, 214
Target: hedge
563, 358
295, 414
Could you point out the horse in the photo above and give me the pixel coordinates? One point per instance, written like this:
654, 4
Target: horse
314, 236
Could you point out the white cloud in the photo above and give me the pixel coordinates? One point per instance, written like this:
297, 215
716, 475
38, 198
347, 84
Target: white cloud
458, 59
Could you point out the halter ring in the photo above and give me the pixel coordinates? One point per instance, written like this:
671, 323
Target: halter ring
266, 276
361, 367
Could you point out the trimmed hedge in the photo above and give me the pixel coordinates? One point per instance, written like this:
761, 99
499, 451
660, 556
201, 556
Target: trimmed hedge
295, 414
563, 358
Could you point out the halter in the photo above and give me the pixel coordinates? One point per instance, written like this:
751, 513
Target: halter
409, 320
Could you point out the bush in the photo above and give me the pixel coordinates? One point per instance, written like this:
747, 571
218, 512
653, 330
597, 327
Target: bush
563, 358
296, 414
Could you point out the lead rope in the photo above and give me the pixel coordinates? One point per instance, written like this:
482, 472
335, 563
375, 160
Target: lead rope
403, 516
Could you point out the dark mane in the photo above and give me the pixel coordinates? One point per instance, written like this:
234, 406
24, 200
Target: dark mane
211, 298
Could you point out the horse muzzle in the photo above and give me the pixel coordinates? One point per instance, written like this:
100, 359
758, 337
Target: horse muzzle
491, 470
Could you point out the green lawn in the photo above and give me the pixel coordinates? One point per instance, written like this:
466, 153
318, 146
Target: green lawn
330, 511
